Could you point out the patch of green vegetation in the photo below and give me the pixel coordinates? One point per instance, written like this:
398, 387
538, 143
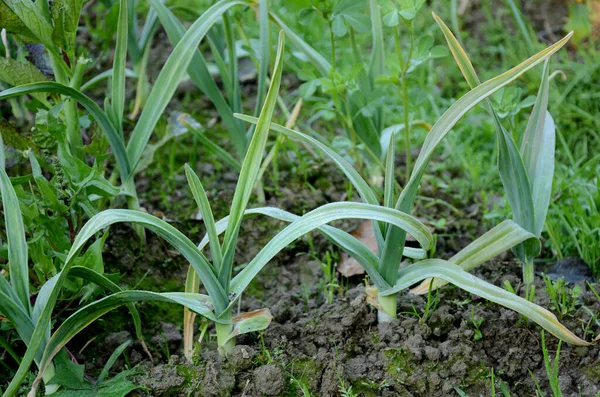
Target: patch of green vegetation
398, 364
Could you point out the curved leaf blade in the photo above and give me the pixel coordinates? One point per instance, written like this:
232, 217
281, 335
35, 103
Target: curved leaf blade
497, 240
452, 273
321, 216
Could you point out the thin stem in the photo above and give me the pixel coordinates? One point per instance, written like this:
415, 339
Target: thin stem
332, 39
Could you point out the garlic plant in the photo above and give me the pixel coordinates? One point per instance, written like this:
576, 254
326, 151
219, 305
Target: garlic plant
384, 268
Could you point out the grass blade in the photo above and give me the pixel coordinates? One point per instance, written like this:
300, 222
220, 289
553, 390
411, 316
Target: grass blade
448, 271
316, 59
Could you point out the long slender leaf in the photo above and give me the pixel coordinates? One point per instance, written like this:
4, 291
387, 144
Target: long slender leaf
103, 282
395, 238
207, 215
452, 273
251, 167
119, 63
170, 75
17, 245
263, 55
499, 239
361, 186
94, 225
87, 314
114, 138
537, 151
15, 313
514, 176
321, 216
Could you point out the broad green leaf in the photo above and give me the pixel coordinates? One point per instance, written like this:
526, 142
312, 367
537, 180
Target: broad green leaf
18, 267
30, 15
11, 137
13, 24
111, 133
170, 75
392, 252
321, 216
200, 75
207, 215
438, 268
65, 15
87, 314
316, 59
14, 72
251, 167
537, 151
499, 239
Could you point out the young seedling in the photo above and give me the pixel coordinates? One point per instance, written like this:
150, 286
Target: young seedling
564, 300
477, 322
383, 268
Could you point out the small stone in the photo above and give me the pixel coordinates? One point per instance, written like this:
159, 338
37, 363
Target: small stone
432, 353
459, 369
241, 357
269, 380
